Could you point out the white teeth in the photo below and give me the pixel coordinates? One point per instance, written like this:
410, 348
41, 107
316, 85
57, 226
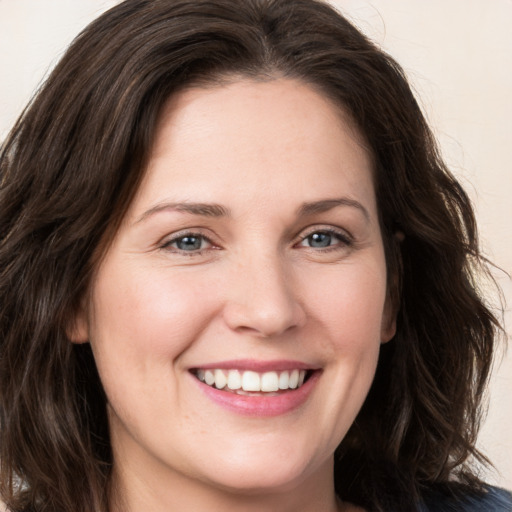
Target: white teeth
269, 382
234, 379
250, 381
220, 379
294, 379
284, 379
209, 377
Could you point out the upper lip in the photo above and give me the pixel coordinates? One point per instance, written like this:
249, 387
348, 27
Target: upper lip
257, 365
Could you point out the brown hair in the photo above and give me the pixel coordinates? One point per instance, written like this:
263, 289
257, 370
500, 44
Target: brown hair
71, 166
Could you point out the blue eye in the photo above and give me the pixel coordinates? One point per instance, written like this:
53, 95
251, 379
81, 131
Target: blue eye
319, 240
188, 243
324, 239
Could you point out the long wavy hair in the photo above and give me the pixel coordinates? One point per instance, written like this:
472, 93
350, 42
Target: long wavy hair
70, 168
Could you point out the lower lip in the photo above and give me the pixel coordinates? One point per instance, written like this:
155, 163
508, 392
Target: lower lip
261, 405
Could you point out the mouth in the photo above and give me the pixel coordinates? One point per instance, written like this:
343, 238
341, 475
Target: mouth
253, 383
259, 389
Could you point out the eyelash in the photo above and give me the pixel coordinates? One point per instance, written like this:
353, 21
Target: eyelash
167, 245
345, 241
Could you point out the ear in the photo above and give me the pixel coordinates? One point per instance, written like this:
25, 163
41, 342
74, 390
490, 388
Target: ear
388, 325
392, 303
77, 330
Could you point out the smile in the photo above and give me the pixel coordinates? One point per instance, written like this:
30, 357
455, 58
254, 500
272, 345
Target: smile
247, 382
257, 388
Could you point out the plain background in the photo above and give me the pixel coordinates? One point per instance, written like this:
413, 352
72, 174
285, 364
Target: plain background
458, 56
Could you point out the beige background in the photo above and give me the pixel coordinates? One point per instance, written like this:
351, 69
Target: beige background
458, 54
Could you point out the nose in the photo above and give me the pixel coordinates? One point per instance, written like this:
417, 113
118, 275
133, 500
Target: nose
262, 300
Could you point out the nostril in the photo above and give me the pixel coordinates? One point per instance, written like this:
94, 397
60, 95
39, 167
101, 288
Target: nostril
260, 323
262, 301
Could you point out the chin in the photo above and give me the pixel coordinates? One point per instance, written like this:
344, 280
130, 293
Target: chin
251, 483
271, 475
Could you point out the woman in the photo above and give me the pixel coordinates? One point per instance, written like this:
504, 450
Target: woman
236, 274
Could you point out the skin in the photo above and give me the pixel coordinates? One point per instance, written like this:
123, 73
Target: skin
258, 289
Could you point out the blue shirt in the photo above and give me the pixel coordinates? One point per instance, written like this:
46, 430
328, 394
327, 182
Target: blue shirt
494, 500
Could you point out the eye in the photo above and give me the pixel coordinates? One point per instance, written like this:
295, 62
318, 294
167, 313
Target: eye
324, 239
189, 243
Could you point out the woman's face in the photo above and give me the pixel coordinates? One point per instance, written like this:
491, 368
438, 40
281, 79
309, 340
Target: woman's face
251, 256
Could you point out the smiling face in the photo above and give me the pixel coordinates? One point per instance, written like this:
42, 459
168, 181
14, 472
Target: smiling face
237, 316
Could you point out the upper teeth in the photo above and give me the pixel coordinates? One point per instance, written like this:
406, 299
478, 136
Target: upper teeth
252, 381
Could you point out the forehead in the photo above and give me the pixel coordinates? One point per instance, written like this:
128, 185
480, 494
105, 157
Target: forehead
270, 139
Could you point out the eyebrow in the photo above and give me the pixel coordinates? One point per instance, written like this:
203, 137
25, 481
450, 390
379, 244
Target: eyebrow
328, 204
203, 209
217, 210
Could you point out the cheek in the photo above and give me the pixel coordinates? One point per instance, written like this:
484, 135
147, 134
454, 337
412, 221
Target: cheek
348, 301
346, 307
152, 316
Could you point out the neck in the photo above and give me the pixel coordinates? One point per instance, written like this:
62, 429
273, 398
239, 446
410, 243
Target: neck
134, 490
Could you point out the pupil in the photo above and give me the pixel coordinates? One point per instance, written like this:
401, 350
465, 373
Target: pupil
320, 240
189, 243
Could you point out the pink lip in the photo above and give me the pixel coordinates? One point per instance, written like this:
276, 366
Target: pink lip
258, 366
261, 405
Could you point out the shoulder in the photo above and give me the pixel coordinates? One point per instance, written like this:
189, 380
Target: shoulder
492, 499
